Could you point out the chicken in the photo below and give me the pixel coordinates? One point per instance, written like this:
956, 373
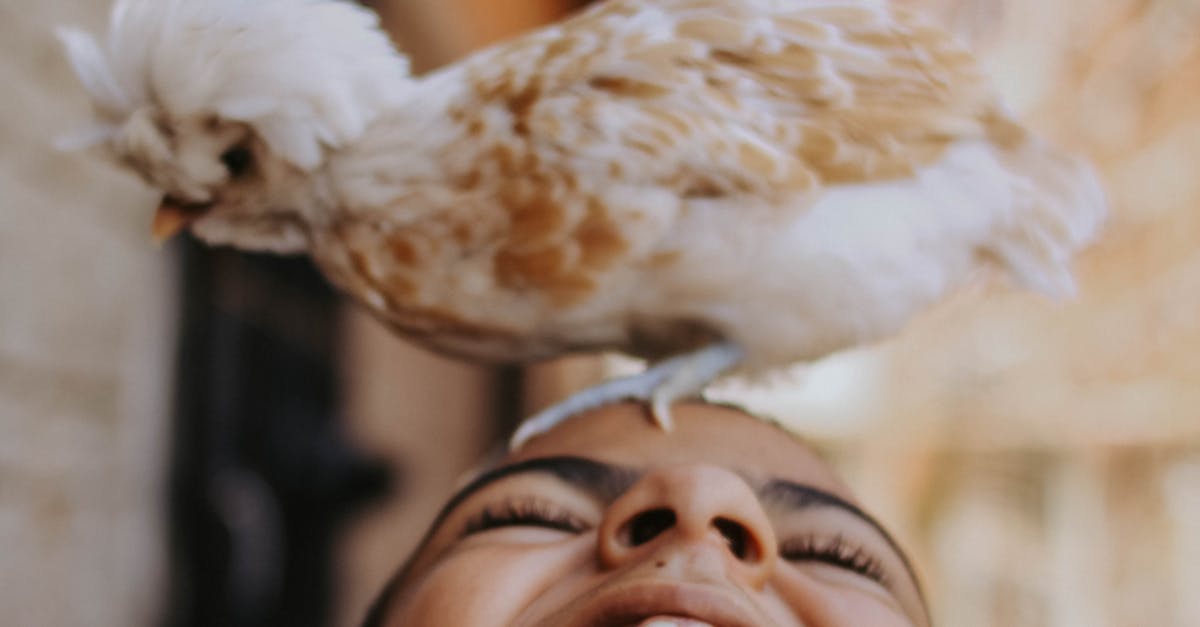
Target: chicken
717, 186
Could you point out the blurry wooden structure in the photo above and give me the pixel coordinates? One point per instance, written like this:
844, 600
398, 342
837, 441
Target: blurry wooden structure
1042, 460
87, 321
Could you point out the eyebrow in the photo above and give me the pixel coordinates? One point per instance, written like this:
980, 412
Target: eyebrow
603, 481
797, 497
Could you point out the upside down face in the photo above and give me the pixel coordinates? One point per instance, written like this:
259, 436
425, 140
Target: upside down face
608, 521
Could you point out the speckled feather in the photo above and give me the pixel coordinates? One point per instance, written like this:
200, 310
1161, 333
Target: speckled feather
652, 175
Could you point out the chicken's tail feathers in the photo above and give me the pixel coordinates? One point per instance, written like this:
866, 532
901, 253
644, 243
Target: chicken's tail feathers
303, 73
1059, 206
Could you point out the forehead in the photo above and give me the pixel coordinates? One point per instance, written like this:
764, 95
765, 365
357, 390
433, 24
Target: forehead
623, 434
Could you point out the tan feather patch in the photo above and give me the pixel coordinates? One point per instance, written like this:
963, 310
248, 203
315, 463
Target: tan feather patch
535, 218
599, 238
543, 271
628, 87
402, 250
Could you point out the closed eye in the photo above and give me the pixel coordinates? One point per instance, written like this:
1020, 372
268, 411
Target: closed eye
836, 551
525, 513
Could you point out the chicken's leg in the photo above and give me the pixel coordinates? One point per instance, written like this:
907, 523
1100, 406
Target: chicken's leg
660, 385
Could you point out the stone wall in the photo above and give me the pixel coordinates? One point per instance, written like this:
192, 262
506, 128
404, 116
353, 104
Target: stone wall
85, 343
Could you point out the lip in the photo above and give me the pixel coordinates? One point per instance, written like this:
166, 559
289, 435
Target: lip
634, 602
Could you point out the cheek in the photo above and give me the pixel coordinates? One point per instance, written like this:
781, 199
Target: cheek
824, 602
482, 587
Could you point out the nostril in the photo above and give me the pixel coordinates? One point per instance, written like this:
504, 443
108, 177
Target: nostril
647, 525
738, 539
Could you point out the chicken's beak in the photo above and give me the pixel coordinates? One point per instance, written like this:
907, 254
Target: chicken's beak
174, 216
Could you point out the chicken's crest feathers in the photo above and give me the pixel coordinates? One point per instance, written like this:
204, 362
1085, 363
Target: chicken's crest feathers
304, 74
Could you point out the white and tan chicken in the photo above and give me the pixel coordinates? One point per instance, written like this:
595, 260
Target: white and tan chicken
716, 185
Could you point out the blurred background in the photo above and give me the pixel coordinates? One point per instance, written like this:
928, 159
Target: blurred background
197, 437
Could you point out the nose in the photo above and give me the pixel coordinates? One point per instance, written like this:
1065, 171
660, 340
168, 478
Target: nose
687, 506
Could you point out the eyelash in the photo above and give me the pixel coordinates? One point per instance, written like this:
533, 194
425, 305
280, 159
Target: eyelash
536, 513
835, 552
524, 513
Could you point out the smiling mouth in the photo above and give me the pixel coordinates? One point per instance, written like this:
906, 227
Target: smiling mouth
174, 215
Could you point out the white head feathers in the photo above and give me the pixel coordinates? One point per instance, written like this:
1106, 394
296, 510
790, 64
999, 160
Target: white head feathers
302, 73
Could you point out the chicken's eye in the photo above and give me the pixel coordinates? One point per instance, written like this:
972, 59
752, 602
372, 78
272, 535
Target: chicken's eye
238, 161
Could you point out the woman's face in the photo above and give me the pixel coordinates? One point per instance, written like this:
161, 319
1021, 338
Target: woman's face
607, 521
